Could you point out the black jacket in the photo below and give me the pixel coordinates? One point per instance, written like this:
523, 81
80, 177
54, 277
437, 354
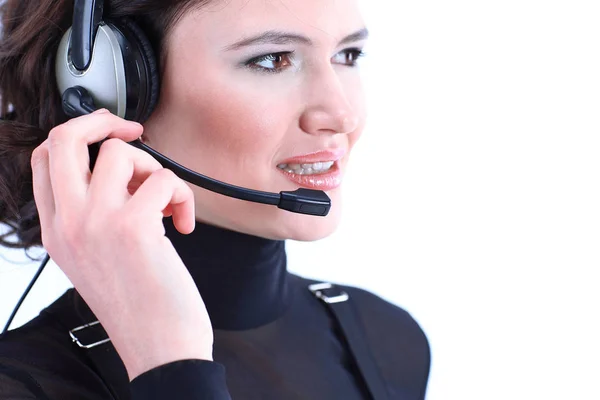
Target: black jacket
274, 340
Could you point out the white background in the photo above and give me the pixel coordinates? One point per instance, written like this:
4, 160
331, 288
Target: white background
473, 197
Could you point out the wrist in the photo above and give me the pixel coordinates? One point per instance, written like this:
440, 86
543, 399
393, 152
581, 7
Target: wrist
143, 355
139, 363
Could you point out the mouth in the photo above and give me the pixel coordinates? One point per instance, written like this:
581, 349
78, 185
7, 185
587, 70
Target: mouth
307, 169
319, 171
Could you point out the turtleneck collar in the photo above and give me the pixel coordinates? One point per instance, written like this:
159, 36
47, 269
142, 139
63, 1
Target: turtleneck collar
242, 279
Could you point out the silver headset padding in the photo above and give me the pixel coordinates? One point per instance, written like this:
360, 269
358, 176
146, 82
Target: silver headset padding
104, 77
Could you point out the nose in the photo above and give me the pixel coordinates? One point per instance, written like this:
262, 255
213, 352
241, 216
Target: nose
328, 109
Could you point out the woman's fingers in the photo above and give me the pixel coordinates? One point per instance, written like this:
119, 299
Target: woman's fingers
119, 167
63, 178
69, 155
42, 188
161, 189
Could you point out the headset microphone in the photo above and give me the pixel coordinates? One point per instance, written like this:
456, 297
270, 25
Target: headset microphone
77, 101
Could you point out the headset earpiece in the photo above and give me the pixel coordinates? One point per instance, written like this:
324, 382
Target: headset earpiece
122, 74
151, 81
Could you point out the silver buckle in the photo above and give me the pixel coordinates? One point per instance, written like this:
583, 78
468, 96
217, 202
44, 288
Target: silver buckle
86, 346
317, 288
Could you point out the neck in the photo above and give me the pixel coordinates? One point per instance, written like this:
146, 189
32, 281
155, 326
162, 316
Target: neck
242, 279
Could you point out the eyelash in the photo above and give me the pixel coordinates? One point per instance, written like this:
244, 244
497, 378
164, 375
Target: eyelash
252, 63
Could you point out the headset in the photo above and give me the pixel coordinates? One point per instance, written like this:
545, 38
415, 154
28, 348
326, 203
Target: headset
111, 64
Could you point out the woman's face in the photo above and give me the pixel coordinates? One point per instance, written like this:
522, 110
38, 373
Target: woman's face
251, 91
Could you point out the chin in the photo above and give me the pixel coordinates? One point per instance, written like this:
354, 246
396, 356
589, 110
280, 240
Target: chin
307, 228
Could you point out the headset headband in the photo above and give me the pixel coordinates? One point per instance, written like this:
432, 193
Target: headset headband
86, 19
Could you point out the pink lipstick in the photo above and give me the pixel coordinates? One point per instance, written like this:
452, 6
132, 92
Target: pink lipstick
320, 170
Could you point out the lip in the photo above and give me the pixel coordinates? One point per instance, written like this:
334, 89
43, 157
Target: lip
324, 181
319, 156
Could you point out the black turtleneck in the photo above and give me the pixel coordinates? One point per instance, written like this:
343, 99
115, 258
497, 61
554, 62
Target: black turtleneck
242, 279
273, 340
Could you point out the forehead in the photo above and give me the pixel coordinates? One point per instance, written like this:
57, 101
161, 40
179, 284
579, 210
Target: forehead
222, 20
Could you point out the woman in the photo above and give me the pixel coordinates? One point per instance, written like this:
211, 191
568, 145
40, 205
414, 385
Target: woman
190, 286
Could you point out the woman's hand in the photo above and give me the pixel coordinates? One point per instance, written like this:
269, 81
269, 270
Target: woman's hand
105, 231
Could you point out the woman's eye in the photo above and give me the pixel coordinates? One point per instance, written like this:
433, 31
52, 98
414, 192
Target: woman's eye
274, 62
277, 62
348, 57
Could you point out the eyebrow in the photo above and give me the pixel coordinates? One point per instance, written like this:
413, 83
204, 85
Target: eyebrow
278, 37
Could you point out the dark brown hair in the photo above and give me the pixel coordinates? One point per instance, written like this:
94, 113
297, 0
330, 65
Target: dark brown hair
29, 98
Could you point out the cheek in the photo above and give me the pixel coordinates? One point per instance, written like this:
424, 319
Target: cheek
233, 124
357, 100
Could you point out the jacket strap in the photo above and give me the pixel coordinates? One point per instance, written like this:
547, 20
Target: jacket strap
341, 307
87, 334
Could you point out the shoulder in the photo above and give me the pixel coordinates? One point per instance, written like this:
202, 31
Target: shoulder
378, 313
34, 344
397, 341
40, 359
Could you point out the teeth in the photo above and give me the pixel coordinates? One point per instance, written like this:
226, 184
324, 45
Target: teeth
307, 169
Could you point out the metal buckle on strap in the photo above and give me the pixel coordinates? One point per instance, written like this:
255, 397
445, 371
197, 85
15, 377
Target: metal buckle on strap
86, 346
317, 289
